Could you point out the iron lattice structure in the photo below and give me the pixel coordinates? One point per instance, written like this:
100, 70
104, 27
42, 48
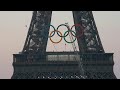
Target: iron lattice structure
34, 61
39, 30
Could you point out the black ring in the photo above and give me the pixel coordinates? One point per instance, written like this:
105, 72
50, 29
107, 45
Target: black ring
65, 26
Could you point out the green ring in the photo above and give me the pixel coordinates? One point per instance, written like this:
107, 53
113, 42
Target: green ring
68, 32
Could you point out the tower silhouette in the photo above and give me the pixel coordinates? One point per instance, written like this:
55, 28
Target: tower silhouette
91, 62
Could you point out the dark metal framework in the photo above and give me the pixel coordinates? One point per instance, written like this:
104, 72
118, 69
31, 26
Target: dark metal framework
61, 65
37, 37
90, 42
34, 62
39, 29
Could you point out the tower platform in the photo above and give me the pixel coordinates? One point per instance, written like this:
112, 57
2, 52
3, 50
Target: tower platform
63, 65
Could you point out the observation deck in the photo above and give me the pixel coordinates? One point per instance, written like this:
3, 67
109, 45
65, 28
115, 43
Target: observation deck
95, 65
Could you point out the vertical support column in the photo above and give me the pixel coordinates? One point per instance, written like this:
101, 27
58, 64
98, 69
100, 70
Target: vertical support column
90, 41
36, 41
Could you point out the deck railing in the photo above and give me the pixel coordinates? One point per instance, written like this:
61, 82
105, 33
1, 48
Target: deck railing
63, 56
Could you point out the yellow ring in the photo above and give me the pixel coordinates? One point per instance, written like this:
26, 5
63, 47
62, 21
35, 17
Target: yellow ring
52, 40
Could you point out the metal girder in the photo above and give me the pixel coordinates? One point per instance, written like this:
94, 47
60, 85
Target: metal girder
89, 42
37, 37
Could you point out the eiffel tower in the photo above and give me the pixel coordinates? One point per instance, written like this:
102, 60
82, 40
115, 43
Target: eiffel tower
35, 63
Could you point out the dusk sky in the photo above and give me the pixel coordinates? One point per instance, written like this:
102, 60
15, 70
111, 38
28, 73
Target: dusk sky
13, 33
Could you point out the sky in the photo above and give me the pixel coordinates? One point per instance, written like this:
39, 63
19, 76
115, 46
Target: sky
13, 32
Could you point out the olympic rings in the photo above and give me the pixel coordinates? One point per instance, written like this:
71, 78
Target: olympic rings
71, 41
59, 40
77, 36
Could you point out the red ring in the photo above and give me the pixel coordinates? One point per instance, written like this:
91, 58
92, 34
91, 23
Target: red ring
80, 32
